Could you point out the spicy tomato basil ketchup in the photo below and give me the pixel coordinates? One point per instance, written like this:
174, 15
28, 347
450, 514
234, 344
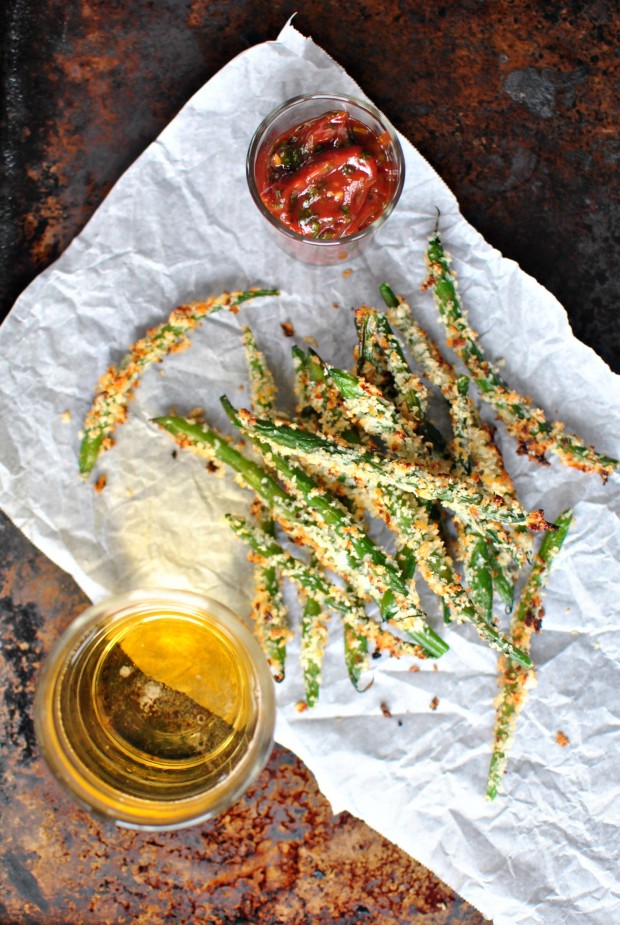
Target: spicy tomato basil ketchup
328, 177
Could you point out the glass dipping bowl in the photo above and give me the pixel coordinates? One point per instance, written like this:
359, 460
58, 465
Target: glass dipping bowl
156, 709
287, 116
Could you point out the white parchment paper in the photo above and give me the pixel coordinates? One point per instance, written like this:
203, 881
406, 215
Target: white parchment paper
180, 225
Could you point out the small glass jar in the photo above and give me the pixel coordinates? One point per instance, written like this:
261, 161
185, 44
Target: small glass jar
156, 709
300, 109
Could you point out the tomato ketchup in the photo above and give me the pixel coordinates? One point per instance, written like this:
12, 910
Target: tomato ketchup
327, 177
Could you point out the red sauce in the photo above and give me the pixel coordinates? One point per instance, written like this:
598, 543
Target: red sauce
328, 177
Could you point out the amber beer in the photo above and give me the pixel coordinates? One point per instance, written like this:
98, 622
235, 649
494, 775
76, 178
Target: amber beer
156, 709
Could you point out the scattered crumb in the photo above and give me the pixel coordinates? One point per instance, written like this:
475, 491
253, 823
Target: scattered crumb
197, 415
562, 739
335, 304
342, 255
346, 273
385, 710
435, 666
287, 329
214, 468
101, 482
129, 492
311, 341
414, 668
241, 387
65, 417
301, 706
434, 703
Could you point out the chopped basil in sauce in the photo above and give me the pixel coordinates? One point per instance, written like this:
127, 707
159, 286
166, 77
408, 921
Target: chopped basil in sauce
328, 177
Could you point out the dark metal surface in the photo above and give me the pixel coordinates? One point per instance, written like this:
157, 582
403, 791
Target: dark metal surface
515, 105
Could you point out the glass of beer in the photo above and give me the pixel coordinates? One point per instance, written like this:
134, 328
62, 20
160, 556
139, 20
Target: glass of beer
156, 709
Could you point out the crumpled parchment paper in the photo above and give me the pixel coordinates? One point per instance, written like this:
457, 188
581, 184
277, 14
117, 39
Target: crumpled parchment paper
180, 225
